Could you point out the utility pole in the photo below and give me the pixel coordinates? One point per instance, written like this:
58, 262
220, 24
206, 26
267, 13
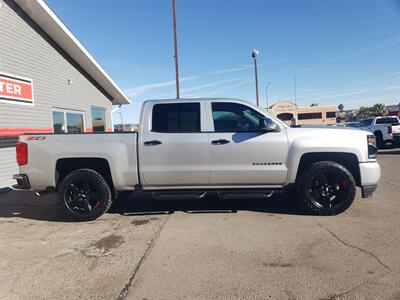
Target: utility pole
254, 55
295, 91
266, 93
176, 49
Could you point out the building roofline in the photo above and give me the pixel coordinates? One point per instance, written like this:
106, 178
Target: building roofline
41, 13
199, 99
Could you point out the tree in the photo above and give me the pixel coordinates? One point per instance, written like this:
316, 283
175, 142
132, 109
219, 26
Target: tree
379, 109
340, 107
364, 112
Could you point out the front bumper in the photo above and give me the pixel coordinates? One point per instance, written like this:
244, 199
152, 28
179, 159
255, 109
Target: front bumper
22, 182
368, 190
370, 174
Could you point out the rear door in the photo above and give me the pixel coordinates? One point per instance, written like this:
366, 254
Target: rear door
173, 150
241, 154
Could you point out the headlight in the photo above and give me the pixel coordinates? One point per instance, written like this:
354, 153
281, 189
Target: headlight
372, 149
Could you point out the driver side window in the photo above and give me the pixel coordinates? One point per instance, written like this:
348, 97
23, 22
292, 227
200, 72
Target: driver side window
235, 117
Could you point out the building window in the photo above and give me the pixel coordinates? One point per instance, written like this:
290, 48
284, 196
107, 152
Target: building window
285, 116
98, 119
66, 121
309, 116
59, 122
331, 114
174, 117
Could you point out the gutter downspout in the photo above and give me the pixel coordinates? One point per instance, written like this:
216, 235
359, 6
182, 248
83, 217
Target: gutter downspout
112, 118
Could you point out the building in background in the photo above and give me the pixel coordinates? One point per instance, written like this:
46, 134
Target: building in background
49, 83
394, 110
304, 115
126, 127
345, 116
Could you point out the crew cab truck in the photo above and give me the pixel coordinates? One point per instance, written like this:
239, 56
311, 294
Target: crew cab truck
385, 128
187, 148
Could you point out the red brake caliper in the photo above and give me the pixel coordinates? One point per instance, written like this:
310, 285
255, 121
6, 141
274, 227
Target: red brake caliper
343, 184
97, 204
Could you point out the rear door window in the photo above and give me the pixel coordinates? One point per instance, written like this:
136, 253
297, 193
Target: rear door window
176, 117
388, 120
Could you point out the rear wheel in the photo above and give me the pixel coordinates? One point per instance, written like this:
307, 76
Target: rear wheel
326, 188
84, 195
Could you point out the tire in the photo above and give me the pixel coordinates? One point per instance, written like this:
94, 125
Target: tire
326, 188
84, 195
379, 140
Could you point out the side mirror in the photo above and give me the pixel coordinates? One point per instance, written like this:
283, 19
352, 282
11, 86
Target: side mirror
268, 126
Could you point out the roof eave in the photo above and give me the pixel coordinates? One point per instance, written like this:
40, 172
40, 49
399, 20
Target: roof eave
55, 28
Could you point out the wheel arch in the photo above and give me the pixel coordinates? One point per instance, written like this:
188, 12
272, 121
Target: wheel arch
348, 160
65, 166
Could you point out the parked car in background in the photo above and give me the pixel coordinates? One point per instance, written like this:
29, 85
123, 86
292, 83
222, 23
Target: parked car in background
352, 124
187, 148
385, 128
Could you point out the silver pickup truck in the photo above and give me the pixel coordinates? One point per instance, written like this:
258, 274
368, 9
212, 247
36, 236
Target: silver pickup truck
188, 148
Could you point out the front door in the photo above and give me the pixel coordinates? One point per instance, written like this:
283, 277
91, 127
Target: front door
241, 154
173, 150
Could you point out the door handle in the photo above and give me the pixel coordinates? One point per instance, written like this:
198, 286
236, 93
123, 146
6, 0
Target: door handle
220, 142
152, 143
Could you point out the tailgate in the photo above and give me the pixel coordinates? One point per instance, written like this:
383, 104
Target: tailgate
396, 129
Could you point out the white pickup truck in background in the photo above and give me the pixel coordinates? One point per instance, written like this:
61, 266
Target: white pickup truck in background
386, 129
188, 148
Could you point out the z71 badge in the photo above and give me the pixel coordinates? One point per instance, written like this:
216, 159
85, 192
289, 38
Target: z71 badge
35, 138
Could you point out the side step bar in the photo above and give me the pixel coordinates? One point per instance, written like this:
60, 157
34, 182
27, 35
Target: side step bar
224, 194
177, 195
260, 194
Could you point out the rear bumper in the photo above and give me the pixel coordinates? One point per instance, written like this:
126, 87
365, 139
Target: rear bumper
22, 182
396, 138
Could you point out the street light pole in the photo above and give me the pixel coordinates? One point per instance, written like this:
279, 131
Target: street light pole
266, 93
176, 49
254, 55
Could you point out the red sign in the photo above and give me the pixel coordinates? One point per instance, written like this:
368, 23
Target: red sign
17, 90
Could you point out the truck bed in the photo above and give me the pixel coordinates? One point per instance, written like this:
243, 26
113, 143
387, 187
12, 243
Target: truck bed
45, 151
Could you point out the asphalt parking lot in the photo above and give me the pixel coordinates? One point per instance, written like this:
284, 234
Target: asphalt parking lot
208, 249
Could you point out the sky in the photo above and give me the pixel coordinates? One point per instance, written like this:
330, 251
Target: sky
337, 51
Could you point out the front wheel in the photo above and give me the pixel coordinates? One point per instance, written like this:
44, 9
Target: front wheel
84, 195
326, 188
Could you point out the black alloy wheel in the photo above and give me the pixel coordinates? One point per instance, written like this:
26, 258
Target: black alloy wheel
326, 188
84, 195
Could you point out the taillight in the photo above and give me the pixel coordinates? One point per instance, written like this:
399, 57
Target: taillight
22, 153
389, 129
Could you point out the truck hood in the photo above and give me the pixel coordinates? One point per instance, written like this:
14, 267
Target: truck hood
328, 139
327, 132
